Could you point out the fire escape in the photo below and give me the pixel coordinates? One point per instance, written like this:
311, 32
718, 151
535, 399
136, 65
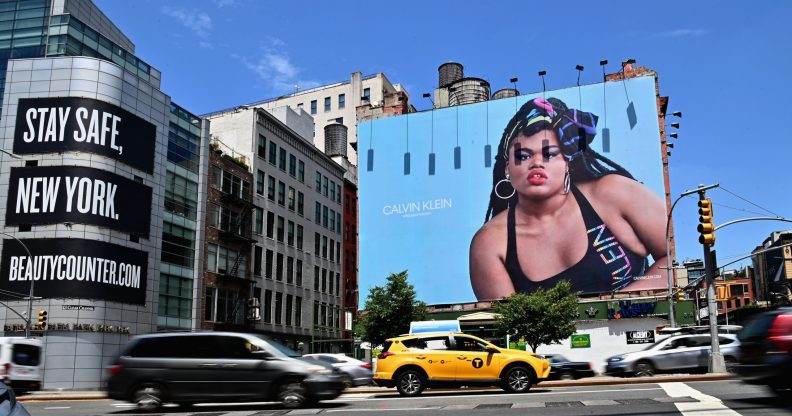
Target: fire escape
236, 227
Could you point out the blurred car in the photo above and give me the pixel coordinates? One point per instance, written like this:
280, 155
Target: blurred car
355, 372
766, 350
191, 367
414, 362
563, 369
676, 353
9, 406
21, 362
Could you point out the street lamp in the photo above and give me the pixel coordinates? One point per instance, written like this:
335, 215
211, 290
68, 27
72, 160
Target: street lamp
30, 295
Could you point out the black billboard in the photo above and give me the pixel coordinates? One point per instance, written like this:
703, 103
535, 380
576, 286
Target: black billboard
58, 194
640, 337
73, 268
62, 124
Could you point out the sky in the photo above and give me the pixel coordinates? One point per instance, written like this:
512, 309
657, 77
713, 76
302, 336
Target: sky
725, 65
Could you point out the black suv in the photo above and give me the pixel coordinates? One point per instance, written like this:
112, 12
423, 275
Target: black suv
766, 350
191, 367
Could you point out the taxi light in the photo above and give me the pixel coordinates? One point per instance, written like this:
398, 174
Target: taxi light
115, 370
383, 355
368, 365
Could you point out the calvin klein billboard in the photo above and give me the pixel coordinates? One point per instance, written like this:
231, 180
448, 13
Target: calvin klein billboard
62, 124
57, 194
73, 268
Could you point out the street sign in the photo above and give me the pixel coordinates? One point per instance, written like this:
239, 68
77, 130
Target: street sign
581, 341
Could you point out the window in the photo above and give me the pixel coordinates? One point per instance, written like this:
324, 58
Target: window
223, 260
291, 199
292, 165
301, 171
316, 244
273, 152
318, 214
324, 247
332, 190
331, 283
332, 221
338, 252
318, 182
282, 159
332, 250
299, 237
338, 192
278, 307
259, 220
327, 104
324, 216
289, 269
316, 278
324, 280
271, 188
290, 233
341, 101
260, 182
267, 306
300, 203
338, 222
280, 228
367, 93
279, 267
289, 309
262, 146
297, 311
313, 106
338, 283
281, 193
324, 185
268, 264
270, 224
258, 254
298, 272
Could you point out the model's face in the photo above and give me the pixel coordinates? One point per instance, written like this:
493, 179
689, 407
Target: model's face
536, 166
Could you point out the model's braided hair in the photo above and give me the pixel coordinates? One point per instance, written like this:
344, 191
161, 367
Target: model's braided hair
553, 115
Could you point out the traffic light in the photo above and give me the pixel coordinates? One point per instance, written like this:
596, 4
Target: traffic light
42, 319
680, 296
706, 227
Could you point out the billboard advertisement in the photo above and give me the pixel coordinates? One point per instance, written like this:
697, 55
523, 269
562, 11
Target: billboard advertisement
74, 268
56, 194
62, 124
479, 201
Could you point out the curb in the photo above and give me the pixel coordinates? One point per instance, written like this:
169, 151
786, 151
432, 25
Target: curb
71, 395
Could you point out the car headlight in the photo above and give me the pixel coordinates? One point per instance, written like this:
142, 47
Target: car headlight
318, 369
616, 358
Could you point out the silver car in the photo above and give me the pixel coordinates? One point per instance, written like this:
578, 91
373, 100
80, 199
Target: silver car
355, 372
9, 405
677, 353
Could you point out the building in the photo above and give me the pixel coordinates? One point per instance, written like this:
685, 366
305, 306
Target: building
297, 226
103, 190
338, 103
772, 265
227, 282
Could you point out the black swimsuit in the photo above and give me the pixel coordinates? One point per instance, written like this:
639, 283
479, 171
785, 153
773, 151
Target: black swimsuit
607, 265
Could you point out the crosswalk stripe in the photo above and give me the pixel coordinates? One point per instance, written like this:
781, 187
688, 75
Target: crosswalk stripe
706, 405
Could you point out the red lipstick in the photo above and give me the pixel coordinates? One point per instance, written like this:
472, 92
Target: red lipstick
537, 177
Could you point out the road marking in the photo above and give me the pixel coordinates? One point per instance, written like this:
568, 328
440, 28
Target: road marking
706, 405
599, 402
529, 394
406, 409
57, 407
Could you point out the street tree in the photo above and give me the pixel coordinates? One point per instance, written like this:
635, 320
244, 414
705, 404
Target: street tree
389, 310
542, 317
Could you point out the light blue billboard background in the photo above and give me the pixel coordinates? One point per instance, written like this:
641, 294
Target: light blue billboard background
423, 223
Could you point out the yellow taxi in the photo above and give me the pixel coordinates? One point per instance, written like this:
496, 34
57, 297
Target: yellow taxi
414, 362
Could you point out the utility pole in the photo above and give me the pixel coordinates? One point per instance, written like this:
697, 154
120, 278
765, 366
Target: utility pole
707, 239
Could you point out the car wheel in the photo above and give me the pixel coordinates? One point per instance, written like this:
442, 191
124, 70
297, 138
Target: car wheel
148, 396
644, 369
730, 362
517, 380
292, 394
566, 375
347, 380
410, 383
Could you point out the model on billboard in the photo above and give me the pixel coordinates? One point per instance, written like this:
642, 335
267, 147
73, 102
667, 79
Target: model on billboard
561, 211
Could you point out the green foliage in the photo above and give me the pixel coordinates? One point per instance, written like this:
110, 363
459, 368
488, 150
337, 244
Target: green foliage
389, 310
542, 317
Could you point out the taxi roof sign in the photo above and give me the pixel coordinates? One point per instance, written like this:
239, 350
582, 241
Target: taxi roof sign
418, 327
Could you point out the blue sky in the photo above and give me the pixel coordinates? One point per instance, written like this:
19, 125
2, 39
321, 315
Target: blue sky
724, 64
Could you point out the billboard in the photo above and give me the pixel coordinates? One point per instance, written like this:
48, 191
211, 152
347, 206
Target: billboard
62, 124
73, 268
428, 203
56, 194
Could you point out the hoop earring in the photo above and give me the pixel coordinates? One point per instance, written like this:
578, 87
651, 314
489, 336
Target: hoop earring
567, 182
496, 189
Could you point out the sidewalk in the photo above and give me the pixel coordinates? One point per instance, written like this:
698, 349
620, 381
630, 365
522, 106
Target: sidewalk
51, 395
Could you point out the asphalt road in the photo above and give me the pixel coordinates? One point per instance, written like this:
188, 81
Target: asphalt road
725, 397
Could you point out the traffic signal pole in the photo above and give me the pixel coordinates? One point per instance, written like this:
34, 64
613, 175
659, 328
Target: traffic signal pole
707, 229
